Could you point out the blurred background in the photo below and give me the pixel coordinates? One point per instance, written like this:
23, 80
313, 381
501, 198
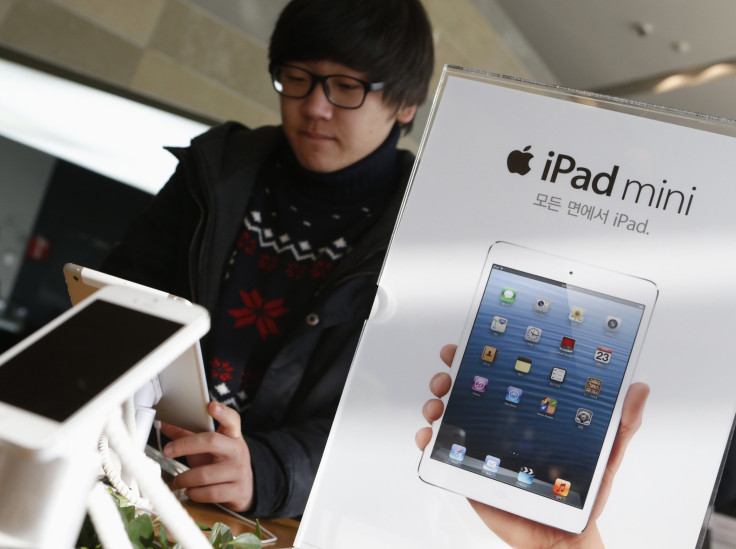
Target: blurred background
209, 56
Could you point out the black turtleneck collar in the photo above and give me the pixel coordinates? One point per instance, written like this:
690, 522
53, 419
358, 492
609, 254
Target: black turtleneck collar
369, 178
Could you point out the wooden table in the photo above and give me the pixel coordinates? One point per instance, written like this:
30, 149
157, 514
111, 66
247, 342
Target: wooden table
283, 529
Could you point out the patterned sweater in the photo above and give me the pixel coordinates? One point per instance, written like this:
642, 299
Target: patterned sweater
297, 227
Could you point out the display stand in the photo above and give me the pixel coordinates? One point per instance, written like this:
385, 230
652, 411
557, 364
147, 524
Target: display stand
621, 185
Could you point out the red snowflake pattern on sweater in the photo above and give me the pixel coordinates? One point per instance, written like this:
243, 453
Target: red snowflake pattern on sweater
321, 269
247, 242
268, 262
296, 270
221, 370
259, 312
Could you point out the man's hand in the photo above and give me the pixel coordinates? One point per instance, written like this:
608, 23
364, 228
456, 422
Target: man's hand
521, 532
220, 470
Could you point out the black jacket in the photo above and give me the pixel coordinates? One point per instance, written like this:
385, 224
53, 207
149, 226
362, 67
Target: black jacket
180, 245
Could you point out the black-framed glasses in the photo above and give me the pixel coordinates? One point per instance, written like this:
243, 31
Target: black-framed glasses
341, 90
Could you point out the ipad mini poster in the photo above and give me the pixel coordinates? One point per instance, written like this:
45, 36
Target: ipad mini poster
640, 191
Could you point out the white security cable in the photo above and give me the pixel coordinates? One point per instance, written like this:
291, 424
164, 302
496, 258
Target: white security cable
139, 415
113, 475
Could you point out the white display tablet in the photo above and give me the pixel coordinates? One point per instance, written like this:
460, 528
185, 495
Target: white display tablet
183, 383
539, 377
64, 380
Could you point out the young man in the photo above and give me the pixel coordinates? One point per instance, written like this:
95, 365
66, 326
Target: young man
281, 232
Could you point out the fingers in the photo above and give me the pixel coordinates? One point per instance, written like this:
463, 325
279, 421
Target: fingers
173, 432
633, 410
226, 494
447, 353
423, 436
229, 482
228, 419
631, 418
204, 475
220, 462
195, 444
440, 384
432, 410
186, 443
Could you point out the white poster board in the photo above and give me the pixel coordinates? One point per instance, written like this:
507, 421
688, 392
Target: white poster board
651, 194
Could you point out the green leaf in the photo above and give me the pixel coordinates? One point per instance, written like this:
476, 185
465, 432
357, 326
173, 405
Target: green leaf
120, 500
128, 513
221, 535
140, 532
258, 529
227, 534
246, 541
216, 539
163, 538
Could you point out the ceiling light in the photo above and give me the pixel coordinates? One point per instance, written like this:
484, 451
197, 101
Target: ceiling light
713, 72
111, 135
644, 29
672, 81
681, 46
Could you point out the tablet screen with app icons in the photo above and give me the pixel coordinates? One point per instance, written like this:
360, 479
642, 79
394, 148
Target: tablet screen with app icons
548, 395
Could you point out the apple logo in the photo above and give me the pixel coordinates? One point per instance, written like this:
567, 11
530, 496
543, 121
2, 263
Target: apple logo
518, 161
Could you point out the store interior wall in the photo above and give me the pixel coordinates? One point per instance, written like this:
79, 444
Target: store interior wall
187, 53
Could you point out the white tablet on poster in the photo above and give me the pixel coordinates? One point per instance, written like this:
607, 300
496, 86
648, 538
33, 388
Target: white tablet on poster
543, 365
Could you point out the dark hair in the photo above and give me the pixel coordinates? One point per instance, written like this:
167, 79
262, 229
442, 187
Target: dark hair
389, 40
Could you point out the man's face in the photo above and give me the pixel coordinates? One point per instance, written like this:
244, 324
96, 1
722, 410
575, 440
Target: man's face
327, 138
